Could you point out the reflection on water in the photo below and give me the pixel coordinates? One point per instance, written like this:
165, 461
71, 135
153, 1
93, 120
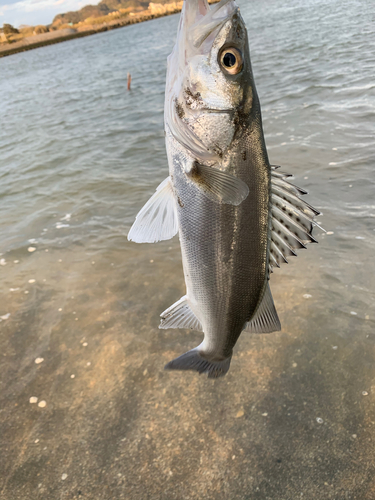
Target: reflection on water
86, 408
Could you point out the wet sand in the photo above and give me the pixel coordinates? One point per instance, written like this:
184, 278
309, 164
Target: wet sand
293, 418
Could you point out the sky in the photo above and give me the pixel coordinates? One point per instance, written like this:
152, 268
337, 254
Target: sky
34, 12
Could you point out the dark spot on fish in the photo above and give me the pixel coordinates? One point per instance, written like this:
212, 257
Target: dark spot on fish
218, 151
180, 202
195, 174
191, 94
193, 99
244, 155
179, 109
236, 119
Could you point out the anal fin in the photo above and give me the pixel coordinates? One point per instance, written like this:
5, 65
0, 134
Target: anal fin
179, 315
157, 221
265, 320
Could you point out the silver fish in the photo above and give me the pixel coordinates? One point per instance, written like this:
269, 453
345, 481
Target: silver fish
237, 216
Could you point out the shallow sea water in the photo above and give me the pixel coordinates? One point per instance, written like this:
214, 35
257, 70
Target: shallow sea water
79, 304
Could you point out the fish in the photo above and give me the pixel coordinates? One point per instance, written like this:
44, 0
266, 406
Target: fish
237, 216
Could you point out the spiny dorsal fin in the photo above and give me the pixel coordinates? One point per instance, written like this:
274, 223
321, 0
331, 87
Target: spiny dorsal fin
157, 221
179, 315
292, 219
265, 320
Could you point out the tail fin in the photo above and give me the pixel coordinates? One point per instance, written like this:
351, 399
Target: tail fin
192, 360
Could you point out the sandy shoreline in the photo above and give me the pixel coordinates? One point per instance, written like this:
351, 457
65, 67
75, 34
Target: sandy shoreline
70, 34
21, 46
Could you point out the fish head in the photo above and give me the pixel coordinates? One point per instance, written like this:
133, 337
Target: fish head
209, 78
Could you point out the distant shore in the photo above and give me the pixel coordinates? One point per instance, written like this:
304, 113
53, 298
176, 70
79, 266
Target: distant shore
64, 35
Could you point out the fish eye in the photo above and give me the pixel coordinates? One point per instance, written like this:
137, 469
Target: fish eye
231, 60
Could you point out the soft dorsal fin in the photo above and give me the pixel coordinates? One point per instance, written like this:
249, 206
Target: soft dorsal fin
179, 315
157, 221
265, 319
292, 219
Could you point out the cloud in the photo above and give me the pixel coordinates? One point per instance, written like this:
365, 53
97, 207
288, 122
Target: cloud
33, 12
8, 2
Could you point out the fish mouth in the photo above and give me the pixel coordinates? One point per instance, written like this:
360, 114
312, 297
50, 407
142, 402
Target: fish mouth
211, 22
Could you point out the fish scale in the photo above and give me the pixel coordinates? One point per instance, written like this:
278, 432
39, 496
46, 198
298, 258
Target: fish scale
224, 248
236, 215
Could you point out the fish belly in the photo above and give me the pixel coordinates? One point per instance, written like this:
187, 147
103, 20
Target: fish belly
224, 248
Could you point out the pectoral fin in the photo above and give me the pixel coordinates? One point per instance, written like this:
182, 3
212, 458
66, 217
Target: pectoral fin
218, 185
157, 221
265, 319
